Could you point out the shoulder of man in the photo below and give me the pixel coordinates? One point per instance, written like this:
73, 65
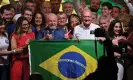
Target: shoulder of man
94, 26
79, 26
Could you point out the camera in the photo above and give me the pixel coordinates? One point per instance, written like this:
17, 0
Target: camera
123, 47
99, 32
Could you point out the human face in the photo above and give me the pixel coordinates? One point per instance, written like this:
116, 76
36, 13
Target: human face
38, 2
94, 18
55, 4
25, 26
38, 19
117, 29
105, 11
74, 22
94, 5
52, 20
115, 12
124, 10
104, 24
87, 18
31, 6
68, 8
46, 8
62, 19
7, 15
28, 15
2, 28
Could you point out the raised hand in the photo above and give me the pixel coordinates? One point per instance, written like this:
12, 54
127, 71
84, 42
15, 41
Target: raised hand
66, 36
49, 36
115, 41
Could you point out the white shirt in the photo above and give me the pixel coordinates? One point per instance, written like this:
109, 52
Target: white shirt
4, 44
81, 32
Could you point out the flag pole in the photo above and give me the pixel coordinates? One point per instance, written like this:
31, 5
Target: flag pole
29, 57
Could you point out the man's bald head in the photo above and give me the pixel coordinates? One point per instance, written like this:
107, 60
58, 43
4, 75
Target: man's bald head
86, 11
86, 17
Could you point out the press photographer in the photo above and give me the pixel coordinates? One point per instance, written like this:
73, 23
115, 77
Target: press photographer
114, 34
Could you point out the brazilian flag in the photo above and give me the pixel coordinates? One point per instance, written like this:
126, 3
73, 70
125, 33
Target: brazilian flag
65, 60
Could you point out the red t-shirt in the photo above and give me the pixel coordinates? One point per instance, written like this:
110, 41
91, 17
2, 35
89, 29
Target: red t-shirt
21, 41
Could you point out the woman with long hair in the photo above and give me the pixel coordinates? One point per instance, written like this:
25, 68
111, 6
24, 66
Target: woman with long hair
20, 39
115, 29
38, 21
115, 33
73, 21
4, 45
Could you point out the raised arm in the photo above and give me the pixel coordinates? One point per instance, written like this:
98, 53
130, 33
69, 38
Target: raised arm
76, 3
129, 4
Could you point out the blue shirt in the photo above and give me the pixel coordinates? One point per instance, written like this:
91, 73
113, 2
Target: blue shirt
57, 34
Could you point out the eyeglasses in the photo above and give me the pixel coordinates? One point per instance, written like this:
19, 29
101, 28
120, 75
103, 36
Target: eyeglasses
28, 14
25, 24
86, 17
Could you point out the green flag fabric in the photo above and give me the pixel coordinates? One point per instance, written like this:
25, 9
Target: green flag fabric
65, 60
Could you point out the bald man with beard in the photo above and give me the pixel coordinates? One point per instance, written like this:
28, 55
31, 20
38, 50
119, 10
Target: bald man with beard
95, 5
52, 31
87, 28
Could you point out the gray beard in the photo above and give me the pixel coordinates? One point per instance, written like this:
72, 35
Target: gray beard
52, 27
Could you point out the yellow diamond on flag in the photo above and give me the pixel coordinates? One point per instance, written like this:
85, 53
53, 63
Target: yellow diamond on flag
72, 63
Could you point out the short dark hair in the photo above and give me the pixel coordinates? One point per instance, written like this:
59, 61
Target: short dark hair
117, 7
108, 4
5, 7
25, 9
31, 1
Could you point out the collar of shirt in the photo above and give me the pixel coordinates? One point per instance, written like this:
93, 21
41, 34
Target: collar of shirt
82, 25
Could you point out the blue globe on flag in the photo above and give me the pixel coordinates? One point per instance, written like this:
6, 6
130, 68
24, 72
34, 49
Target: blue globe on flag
72, 64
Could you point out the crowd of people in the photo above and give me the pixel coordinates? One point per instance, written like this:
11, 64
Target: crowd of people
25, 20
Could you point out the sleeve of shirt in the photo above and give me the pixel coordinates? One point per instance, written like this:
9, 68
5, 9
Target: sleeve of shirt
33, 29
40, 34
75, 36
11, 29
